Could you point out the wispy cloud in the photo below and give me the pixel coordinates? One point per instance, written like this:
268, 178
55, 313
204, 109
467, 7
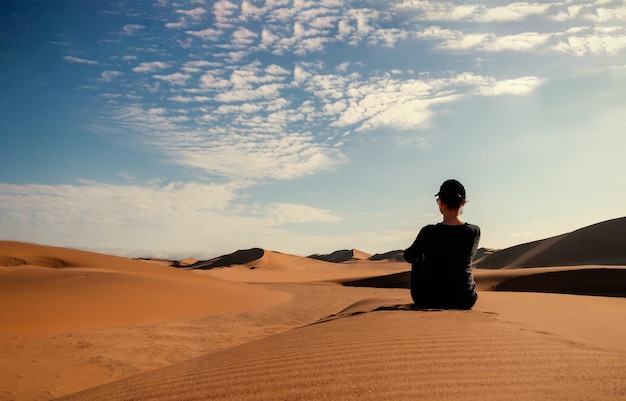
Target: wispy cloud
78, 60
156, 218
259, 105
196, 13
296, 213
207, 34
516, 11
130, 29
151, 66
176, 78
108, 76
250, 92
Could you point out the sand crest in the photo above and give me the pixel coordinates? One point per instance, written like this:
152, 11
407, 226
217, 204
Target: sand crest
395, 355
598, 244
268, 325
95, 291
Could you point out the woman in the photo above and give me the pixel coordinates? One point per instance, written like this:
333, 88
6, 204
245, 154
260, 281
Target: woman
441, 256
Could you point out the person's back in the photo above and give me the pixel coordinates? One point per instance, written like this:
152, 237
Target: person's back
441, 256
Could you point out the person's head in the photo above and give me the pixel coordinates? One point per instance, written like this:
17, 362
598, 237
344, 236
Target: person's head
451, 194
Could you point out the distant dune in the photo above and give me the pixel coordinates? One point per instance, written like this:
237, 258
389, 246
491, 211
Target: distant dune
397, 255
260, 324
483, 252
341, 256
599, 244
58, 289
592, 281
239, 257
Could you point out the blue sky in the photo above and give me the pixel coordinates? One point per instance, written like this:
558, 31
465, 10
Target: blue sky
176, 129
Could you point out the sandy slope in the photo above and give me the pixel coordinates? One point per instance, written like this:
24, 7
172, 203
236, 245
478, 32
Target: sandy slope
96, 319
395, 355
51, 317
93, 291
601, 243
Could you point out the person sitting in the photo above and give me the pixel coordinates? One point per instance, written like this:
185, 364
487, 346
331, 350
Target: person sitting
442, 253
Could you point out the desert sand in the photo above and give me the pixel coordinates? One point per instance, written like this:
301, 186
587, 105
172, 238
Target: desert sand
258, 324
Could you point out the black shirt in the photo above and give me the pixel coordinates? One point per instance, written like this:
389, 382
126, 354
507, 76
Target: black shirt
441, 258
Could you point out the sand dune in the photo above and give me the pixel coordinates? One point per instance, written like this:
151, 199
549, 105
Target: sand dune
582, 280
599, 281
263, 266
94, 290
395, 255
343, 255
396, 355
598, 244
305, 329
239, 257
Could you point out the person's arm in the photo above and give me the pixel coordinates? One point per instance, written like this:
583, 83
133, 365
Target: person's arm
476, 241
415, 251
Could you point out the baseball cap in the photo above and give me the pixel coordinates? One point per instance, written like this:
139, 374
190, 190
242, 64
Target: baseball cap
451, 191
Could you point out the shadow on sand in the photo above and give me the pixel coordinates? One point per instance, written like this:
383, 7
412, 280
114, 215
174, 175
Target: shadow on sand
379, 305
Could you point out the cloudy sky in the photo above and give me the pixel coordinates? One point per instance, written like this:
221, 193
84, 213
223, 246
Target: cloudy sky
177, 129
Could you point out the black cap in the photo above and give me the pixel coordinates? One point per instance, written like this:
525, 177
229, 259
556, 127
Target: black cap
451, 192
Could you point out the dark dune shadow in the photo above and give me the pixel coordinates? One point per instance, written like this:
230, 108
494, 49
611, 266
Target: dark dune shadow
597, 282
396, 280
239, 257
379, 305
604, 282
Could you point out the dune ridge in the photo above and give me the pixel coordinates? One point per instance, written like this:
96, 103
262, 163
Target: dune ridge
240, 257
341, 256
395, 255
597, 244
96, 290
399, 355
264, 324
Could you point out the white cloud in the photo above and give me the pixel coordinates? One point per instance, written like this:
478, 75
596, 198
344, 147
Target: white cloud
198, 66
174, 25
269, 91
115, 205
71, 59
311, 45
388, 37
519, 42
518, 86
462, 41
176, 78
243, 37
130, 29
457, 40
189, 99
108, 76
600, 40
195, 13
245, 108
268, 38
207, 34
212, 82
439, 11
246, 147
296, 213
151, 66
611, 14
249, 10
224, 12
402, 115
516, 11
166, 220
246, 157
